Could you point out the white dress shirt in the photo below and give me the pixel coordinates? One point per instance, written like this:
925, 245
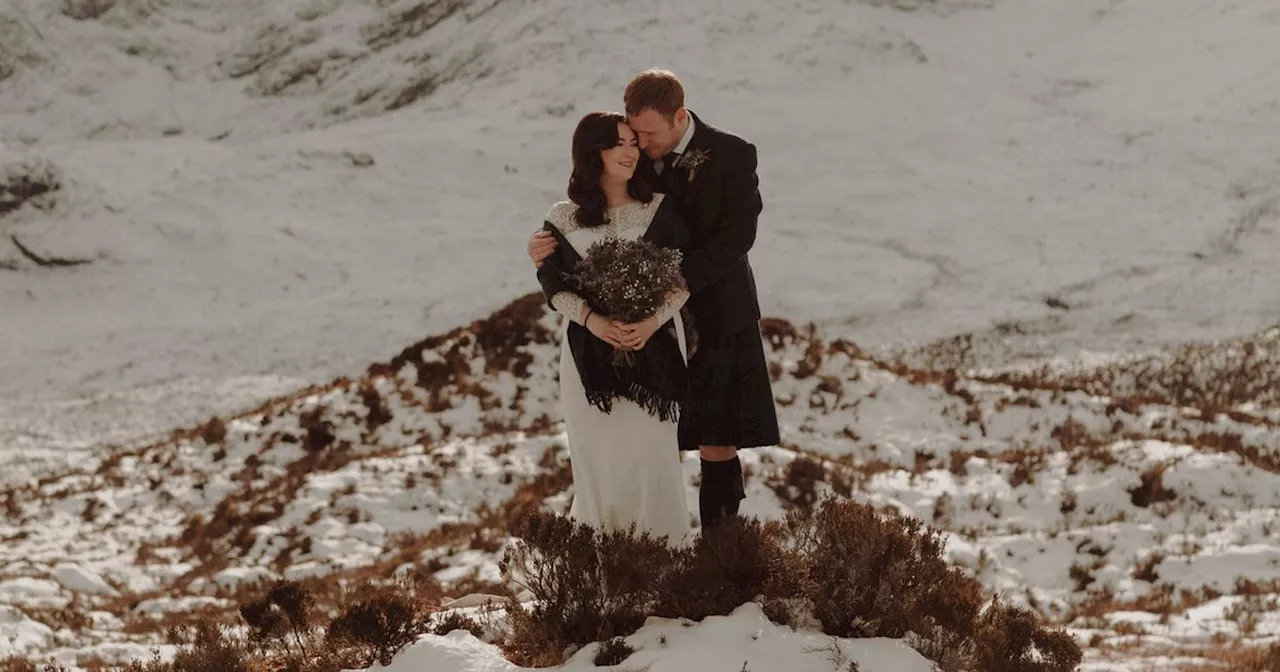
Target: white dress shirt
684, 144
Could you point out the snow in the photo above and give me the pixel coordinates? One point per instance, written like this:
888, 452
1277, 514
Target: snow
30, 591
665, 645
163, 605
990, 183
75, 577
235, 577
19, 634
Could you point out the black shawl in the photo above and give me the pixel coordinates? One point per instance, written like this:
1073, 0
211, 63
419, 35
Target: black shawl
657, 378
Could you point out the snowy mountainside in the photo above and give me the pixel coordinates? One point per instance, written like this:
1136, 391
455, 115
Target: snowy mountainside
1139, 522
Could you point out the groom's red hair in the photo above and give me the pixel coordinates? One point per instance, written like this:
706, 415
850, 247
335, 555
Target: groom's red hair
655, 89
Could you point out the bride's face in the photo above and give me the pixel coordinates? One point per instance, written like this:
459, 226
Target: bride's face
620, 160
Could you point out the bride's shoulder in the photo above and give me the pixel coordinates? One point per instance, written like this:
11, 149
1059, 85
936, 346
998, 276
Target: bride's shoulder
562, 215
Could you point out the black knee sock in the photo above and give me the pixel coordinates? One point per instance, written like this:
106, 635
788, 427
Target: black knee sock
721, 491
709, 497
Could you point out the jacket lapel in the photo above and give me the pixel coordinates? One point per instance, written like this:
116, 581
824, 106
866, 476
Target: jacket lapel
701, 142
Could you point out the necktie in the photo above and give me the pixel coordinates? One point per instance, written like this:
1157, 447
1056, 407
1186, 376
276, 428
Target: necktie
669, 161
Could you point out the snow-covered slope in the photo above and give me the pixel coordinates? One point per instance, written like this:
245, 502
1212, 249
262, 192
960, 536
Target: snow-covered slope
1094, 496
1044, 175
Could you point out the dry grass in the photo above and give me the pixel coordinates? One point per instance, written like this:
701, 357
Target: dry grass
797, 486
1163, 600
377, 414
209, 648
457, 621
83, 10
1243, 659
1212, 377
613, 652
213, 432
30, 181
1152, 491
1145, 570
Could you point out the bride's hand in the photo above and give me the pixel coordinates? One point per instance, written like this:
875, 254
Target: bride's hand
605, 329
636, 336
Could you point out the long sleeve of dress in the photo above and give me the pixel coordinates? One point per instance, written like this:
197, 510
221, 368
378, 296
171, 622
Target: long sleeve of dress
570, 305
671, 307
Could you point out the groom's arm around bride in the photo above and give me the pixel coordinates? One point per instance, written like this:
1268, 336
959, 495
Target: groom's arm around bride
711, 175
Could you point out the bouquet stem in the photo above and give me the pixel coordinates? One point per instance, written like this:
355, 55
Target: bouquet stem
623, 358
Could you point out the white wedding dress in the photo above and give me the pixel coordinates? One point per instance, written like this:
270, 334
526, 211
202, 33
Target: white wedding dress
626, 464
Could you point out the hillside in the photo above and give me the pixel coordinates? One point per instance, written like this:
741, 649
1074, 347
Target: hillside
1134, 502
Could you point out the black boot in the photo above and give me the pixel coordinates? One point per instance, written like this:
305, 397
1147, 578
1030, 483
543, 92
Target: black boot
721, 491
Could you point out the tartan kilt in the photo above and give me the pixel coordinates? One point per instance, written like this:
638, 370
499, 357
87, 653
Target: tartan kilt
730, 400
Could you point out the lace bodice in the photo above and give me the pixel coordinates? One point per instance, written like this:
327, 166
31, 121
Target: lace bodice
628, 222
625, 222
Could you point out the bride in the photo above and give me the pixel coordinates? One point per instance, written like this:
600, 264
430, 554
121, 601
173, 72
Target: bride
625, 452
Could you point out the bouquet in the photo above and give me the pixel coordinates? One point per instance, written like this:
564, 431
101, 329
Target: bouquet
628, 280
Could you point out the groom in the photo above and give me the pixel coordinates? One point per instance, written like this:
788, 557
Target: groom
712, 175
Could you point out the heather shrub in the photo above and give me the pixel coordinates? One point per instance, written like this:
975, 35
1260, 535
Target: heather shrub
281, 618
859, 572
376, 621
457, 621
613, 652
873, 575
1260, 659
1011, 639
588, 585
728, 566
797, 486
205, 648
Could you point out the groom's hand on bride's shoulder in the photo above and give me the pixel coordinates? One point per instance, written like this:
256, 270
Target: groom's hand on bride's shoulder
541, 245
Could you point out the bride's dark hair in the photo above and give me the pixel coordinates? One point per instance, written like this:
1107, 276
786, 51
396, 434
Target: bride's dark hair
597, 132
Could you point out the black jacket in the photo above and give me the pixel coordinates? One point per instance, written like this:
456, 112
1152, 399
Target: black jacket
721, 203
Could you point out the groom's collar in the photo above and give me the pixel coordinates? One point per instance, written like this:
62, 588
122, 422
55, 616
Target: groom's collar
699, 135
688, 136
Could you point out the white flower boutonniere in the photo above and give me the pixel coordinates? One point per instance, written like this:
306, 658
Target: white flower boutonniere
692, 160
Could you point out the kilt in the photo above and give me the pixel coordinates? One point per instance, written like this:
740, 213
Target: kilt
730, 401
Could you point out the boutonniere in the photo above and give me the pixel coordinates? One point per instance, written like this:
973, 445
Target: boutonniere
692, 160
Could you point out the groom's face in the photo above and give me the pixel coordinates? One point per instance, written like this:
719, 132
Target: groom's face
657, 134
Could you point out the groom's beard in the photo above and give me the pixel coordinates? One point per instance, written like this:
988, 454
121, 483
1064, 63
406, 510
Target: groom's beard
661, 155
